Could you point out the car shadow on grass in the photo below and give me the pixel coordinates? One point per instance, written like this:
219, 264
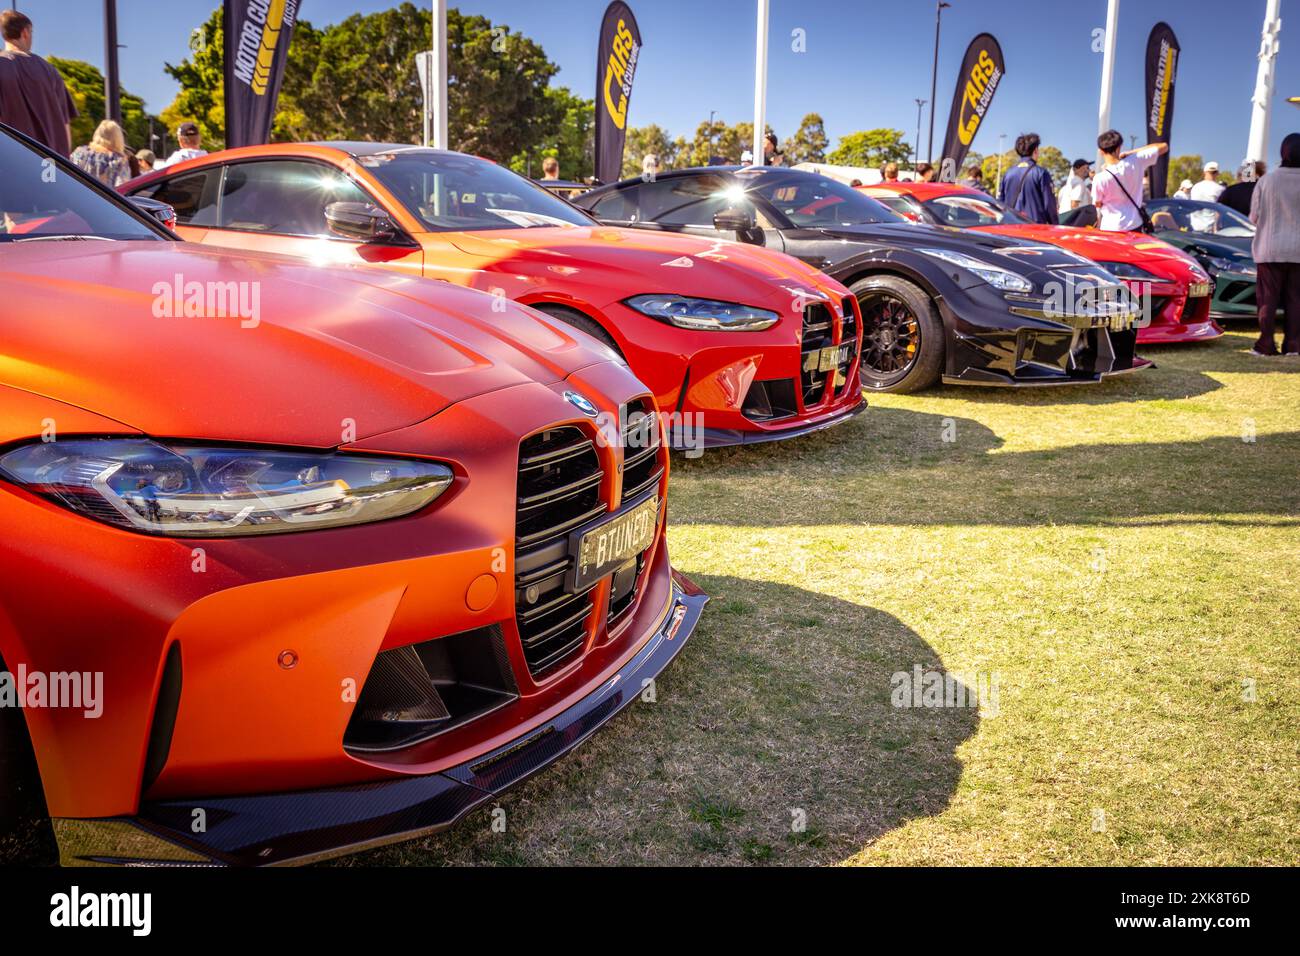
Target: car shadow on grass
775, 738
895, 466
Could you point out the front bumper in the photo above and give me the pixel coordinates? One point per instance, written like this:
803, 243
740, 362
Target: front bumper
306, 826
724, 437
988, 343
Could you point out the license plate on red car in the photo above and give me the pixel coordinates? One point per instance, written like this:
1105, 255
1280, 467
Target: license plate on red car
607, 546
829, 358
1197, 289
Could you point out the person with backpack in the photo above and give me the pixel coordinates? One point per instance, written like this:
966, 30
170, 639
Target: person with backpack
1027, 187
1117, 186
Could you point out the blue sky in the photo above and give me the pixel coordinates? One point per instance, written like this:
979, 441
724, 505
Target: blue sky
865, 64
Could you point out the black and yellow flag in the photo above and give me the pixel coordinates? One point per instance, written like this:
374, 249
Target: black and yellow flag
981, 73
616, 58
257, 47
1162, 68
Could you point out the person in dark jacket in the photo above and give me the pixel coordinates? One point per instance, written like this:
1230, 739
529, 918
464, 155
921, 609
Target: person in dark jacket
1237, 196
1028, 187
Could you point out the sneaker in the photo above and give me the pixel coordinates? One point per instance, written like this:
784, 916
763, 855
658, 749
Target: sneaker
1258, 354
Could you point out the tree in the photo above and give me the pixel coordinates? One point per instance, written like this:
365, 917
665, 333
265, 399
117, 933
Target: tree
643, 140
357, 80
573, 143
808, 144
86, 84
872, 148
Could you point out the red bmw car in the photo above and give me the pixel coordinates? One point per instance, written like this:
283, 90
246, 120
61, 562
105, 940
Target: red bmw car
737, 343
1174, 289
297, 560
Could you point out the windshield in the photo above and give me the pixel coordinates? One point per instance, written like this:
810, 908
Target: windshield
454, 193
1191, 216
966, 212
814, 202
41, 200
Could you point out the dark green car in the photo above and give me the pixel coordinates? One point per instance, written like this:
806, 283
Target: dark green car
1219, 237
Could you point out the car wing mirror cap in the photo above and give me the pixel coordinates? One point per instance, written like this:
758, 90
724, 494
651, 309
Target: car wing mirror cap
160, 212
734, 220
359, 220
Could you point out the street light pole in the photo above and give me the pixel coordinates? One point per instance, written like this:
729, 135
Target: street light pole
934, 76
760, 83
1002, 138
916, 152
112, 89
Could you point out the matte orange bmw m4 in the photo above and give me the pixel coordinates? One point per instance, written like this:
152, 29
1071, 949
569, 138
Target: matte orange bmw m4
298, 560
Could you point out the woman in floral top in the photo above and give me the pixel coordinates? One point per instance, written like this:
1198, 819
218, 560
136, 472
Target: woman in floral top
105, 157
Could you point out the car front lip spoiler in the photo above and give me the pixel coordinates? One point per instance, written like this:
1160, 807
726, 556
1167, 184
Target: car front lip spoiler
307, 826
726, 437
1055, 381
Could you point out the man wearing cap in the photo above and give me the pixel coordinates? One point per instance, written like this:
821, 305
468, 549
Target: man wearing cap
1075, 192
1209, 189
190, 138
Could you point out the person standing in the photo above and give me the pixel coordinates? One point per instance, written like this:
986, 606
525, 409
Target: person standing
890, 172
33, 97
925, 173
1027, 187
1275, 211
105, 158
1238, 195
1184, 190
772, 155
974, 178
550, 169
1076, 192
1209, 189
191, 146
1115, 188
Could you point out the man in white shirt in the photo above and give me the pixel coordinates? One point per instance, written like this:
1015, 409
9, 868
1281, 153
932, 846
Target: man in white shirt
1117, 188
1209, 189
1075, 192
1184, 190
191, 141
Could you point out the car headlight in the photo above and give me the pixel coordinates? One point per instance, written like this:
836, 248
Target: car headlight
1228, 265
996, 276
703, 314
1126, 270
182, 490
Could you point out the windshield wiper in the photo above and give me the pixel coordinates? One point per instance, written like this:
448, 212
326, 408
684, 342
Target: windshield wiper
68, 238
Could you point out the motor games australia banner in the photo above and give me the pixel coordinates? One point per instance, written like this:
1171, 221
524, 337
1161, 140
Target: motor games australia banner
257, 35
616, 59
1162, 67
981, 73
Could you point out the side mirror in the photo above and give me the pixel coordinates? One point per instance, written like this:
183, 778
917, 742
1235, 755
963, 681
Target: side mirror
158, 211
735, 219
359, 220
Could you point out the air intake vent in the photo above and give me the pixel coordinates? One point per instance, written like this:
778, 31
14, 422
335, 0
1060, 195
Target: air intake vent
818, 332
642, 455
559, 490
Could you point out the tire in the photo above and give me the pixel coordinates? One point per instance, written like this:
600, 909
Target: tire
902, 335
579, 321
24, 826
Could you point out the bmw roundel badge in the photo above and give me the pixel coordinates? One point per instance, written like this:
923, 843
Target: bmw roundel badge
582, 404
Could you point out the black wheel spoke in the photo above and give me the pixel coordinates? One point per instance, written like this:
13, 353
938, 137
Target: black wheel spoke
891, 334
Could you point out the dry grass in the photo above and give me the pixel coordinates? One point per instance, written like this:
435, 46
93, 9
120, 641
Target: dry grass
1118, 558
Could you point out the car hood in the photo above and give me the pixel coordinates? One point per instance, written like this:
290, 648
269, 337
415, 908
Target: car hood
625, 262
1235, 248
300, 354
1096, 244
1035, 260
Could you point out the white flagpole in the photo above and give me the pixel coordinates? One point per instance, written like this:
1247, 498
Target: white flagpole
1262, 100
760, 84
438, 75
1108, 65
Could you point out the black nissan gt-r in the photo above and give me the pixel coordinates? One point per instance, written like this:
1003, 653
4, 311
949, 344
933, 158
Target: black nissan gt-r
936, 302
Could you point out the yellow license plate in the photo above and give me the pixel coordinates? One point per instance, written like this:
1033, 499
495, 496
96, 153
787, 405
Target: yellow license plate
1198, 289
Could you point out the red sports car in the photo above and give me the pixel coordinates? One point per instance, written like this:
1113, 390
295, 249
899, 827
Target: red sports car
1174, 289
298, 560
737, 343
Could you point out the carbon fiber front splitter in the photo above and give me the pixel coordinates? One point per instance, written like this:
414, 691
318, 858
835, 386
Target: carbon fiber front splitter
305, 826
